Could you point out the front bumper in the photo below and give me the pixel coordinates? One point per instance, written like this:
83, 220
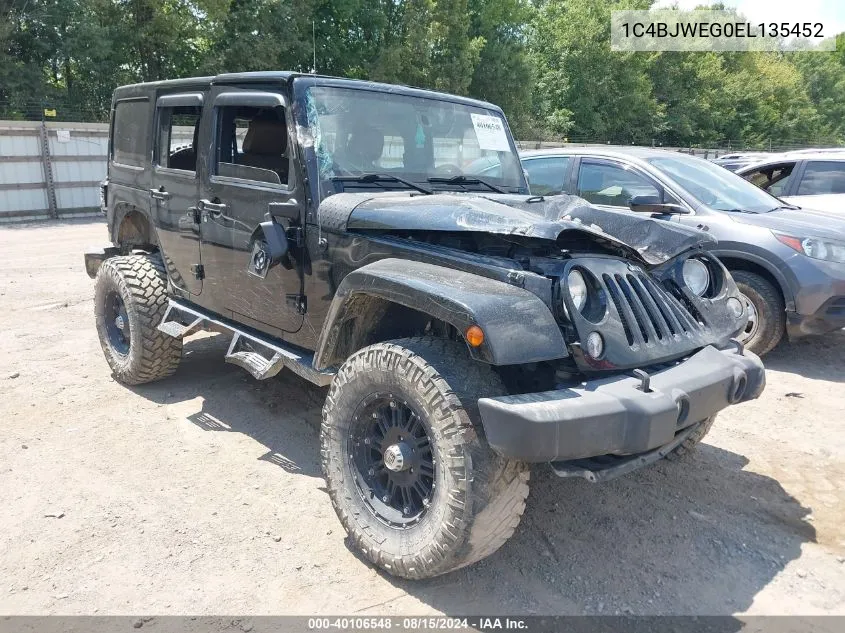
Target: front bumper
829, 317
615, 416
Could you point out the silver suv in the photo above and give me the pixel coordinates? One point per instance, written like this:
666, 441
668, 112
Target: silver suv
788, 262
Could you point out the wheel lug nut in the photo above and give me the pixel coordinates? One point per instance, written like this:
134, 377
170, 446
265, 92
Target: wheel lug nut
392, 404
426, 502
371, 472
406, 510
367, 441
385, 498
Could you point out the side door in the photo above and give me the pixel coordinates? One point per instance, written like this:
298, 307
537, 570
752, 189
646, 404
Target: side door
611, 184
821, 177
176, 188
776, 178
249, 168
547, 175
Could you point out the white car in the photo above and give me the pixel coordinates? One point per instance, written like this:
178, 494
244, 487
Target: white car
806, 179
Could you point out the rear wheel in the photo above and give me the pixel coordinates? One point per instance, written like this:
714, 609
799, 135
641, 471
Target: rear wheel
408, 469
766, 312
130, 298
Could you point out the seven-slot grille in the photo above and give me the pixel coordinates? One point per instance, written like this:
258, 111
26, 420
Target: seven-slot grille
650, 313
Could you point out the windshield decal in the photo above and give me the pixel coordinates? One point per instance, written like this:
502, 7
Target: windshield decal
490, 132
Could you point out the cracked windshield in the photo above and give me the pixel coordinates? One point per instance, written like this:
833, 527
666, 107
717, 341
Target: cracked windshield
373, 140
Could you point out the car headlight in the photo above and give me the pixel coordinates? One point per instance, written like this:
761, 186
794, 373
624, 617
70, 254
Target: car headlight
577, 289
815, 247
696, 276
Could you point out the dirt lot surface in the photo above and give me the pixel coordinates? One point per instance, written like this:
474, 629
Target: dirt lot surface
202, 494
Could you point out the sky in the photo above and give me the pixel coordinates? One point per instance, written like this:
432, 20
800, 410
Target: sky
831, 13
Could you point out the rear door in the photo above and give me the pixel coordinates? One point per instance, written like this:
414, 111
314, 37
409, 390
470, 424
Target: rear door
821, 177
249, 167
547, 175
176, 187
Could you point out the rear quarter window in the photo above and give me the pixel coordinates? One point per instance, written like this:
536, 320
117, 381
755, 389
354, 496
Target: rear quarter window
130, 133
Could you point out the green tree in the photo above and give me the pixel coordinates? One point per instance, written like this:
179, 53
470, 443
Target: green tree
583, 89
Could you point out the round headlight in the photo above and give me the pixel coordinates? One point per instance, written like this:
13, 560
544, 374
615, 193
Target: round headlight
577, 289
696, 276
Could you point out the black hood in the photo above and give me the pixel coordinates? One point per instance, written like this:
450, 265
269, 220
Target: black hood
567, 220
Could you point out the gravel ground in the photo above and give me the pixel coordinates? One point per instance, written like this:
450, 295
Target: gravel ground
202, 493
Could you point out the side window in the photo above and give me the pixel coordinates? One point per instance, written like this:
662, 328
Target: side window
772, 178
546, 175
130, 132
252, 144
612, 185
177, 139
822, 177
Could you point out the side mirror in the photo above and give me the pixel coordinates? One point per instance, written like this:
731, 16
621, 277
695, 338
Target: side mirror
268, 248
653, 204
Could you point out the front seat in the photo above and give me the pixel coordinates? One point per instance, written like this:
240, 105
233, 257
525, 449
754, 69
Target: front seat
265, 145
364, 149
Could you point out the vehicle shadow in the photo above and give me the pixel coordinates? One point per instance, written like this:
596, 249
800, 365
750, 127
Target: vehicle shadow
816, 357
700, 536
233, 402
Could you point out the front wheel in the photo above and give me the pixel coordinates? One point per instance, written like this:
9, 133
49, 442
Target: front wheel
766, 313
408, 469
688, 445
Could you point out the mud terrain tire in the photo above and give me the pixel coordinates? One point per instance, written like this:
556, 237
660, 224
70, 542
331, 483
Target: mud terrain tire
478, 497
134, 287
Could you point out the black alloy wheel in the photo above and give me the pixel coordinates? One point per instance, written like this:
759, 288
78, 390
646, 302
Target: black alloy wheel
391, 460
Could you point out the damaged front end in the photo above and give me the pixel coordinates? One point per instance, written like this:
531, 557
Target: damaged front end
617, 283
611, 331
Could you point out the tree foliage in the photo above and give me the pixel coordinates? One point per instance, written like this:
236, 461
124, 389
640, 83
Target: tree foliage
546, 62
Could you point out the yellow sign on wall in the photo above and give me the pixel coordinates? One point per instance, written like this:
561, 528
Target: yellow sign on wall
50, 112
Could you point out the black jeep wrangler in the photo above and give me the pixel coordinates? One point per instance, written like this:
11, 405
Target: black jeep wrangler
465, 328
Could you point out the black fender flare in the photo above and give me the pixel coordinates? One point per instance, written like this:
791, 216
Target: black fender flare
518, 326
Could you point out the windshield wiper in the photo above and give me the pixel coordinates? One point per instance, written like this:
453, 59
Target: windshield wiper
377, 178
463, 180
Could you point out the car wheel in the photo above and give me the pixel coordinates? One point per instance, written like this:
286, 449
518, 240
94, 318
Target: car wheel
688, 445
766, 313
130, 298
407, 466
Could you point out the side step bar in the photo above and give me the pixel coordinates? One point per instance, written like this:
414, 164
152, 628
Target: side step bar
261, 357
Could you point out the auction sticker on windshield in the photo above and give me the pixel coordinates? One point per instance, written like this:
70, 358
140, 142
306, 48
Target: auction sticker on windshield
490, 132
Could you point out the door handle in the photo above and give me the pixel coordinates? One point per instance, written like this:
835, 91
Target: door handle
159, 194
214, 209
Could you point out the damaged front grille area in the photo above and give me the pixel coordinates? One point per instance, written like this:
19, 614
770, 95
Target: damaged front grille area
643, 317
647, 311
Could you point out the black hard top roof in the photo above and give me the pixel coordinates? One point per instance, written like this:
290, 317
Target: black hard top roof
279, 76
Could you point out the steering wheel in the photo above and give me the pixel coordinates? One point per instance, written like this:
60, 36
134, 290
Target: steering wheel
448, 169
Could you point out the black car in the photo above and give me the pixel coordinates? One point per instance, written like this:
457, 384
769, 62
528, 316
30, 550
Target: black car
464, 327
